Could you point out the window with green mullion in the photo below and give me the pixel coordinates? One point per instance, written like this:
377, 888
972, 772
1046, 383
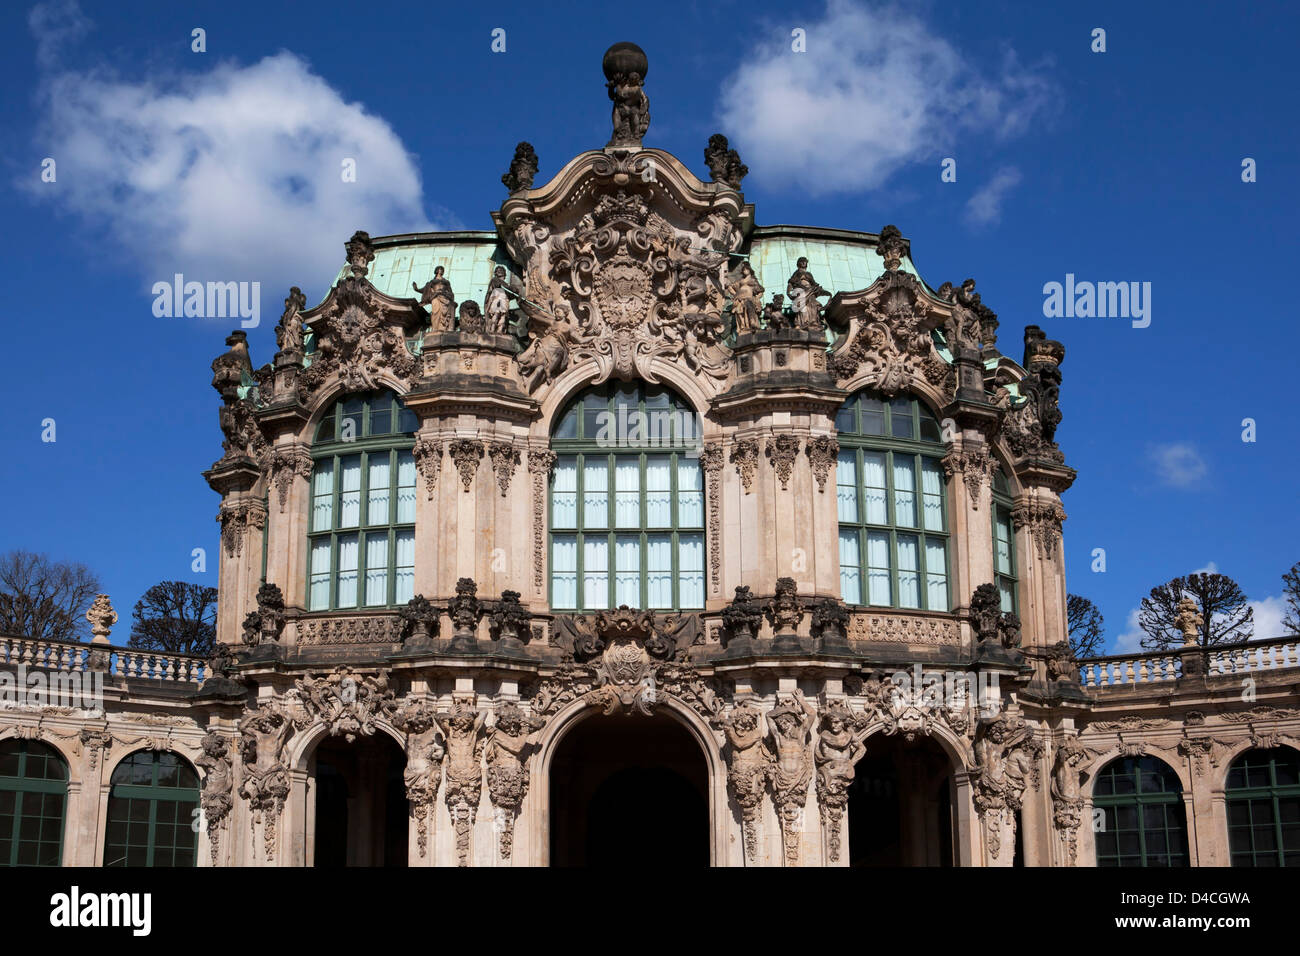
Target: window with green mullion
1143, 817
626, 529
152, 806
33, 800
1263, 802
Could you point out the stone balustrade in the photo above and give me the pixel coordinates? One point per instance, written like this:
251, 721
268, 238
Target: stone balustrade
1127, 669
122, 661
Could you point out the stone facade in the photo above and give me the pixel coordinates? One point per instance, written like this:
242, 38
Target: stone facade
625, 266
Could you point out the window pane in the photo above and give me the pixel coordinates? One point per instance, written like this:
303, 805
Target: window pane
690, 493
690, 570
350, 491
936, 575
929, 427
564, 571
405, 488
846, 486
932, 489
350, 421
850, 567
347, 570
844, 422
595, 573
1002, 543
319, 599
878, 568
564, 494
595, 493
627, 492
378, 492
900, 418
873, 416
627, 570
659, 571
376, 569
873, 482
322, 495
904, 492
909, 578
405, 559
658, 492
568, 427
1006, 594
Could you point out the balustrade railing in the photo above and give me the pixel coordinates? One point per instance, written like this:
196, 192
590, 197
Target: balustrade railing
1128, 669
122, 661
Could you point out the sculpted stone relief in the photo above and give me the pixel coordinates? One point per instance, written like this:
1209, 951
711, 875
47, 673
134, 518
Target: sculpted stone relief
513, 739
1007, 762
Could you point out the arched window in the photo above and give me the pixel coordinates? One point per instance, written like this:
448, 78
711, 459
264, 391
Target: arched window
1264, 808
627, 502
1004, 542
892, 508
1144, 822
362, 531
152, 807
33, 796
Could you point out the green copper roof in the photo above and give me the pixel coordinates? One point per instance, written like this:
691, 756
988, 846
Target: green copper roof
845, 263
467, 257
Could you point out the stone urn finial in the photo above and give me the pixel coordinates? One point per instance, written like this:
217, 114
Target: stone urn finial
1190, 621
102, 617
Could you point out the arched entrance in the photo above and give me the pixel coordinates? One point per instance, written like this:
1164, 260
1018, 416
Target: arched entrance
360, 804
626, 788
900, 805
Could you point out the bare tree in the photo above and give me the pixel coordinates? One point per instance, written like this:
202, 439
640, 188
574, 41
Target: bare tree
177, 617
1086, 626
43, 598
1229, 619
1291, 591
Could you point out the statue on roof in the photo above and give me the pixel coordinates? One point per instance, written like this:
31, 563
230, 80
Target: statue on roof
625, 67
746, 299
496, 304
522, 168
724, 163
436, 293
288, 334
803, 291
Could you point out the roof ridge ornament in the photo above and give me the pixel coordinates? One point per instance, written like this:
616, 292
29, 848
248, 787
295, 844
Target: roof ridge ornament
625, 66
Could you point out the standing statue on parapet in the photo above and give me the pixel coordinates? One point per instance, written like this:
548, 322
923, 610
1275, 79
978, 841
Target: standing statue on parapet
803, 291
746, 300
436, 293
625, 67
497, 302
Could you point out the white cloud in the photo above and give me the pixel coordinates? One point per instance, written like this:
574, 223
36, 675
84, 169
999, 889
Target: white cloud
1211, 568
1130, 642
55, 25
228, 174
877, 89
1269, 615
984, 208
1178, 464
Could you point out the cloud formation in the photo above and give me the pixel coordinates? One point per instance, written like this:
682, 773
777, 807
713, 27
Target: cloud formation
877, 89
1178, 464
984, 208
232, 173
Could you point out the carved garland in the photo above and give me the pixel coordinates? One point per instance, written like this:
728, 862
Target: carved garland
505, 459
236, 520
1044, 523
975, 466
466, 453
711, 462
823, 452
287, 464
428, 459
540, 463
744, 455
782, 450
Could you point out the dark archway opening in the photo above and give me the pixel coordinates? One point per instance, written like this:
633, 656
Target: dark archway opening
900, 805
629, 788
361, 807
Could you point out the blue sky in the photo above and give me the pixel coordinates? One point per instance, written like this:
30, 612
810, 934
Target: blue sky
1117, 166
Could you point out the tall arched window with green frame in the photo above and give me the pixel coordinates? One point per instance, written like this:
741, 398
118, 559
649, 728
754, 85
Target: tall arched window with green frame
1143, 819
1263, 794
153, 803
362, 524
893, 512
1004, 542
33, 800
627, 501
